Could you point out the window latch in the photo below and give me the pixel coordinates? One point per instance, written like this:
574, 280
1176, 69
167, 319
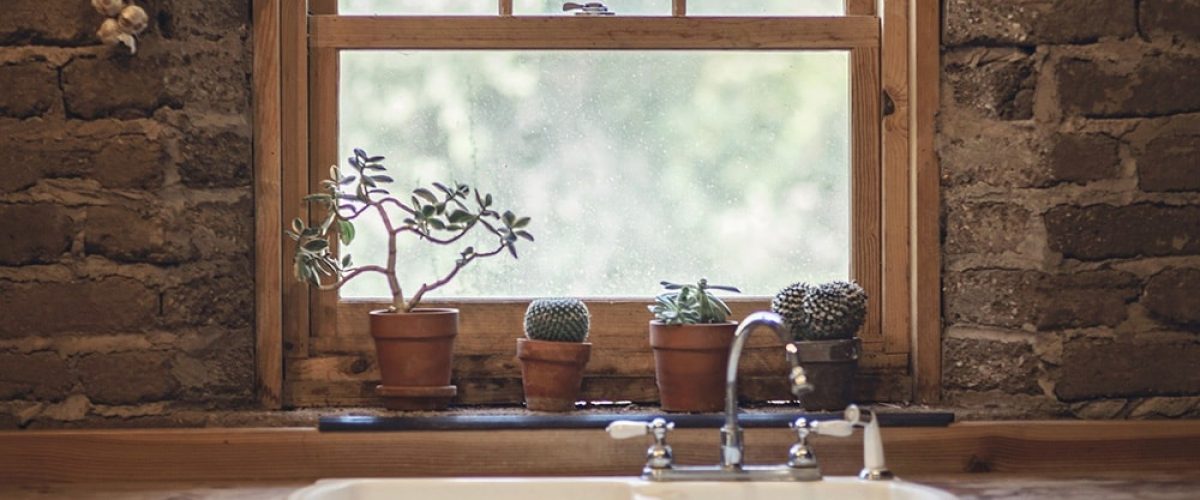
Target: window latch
588, 9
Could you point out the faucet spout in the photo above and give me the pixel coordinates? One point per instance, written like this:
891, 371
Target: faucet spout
732, 446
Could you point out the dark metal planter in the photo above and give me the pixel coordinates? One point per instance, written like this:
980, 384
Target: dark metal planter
831, 366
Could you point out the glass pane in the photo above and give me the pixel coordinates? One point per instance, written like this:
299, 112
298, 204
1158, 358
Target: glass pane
767, 7
401, 7
620, 7
636, 167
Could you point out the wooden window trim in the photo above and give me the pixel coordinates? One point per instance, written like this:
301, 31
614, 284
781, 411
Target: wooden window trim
295, 78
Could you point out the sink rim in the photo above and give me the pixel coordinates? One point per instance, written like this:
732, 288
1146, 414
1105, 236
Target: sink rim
330, 485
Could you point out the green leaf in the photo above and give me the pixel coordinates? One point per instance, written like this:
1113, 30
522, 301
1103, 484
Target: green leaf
460, 216
316, 245
345, 231
525, 234
513, 250
360, 153
509, 218
443, 188
374, 167
382, 178
348, 179
487, 200
522, 222
346, 261
428, 211
369, 182
318, 197
455, 227
375, 159
309, 232
425, 194
297, 225
437, 224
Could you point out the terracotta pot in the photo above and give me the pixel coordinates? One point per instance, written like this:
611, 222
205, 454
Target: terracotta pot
690, 363
552, 372
415, 352
831, 366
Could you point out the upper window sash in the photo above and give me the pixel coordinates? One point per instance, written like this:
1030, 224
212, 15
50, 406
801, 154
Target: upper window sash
599, 33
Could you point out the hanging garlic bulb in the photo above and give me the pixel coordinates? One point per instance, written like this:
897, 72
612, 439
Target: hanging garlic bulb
110, 8
133, 20
111, 34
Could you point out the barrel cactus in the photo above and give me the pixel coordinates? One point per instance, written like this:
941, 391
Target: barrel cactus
557, 320
831, 311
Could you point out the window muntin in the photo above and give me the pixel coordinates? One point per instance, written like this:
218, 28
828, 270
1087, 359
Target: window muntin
636, 166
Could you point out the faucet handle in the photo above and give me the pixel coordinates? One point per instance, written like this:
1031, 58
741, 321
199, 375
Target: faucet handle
625, 429
835, 428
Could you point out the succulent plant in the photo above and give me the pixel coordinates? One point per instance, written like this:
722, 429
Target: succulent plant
557, 320
831, 311
440, 215
691, 304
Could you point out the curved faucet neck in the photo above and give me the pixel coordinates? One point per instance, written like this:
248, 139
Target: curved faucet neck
731, 441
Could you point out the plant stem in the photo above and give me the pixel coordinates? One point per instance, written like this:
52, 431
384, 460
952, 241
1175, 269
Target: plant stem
458, 266
357, 271
393, 282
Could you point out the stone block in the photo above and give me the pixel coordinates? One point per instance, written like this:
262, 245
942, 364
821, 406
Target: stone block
205, 19
221, 375
127, 235
48, 23
1173, 296
216, 158
990, 152
226, 299
1020, 299
995, 83
39, 375
1170, 163
34, 234
1036, 22
1160, 84
1099, 232
1102, 368
985, 365
986, 228
1170, 18
118, 154
30, 89
127, 377
117, 85
1081, 158
108, 305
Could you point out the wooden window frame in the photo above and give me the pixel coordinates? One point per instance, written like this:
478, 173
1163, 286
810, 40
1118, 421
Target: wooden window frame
313, 352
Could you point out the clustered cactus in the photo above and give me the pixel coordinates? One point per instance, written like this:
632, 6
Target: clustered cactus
830, 311
691, 304
557, 320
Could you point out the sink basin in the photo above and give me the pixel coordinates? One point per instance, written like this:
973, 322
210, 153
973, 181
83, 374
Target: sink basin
612, 488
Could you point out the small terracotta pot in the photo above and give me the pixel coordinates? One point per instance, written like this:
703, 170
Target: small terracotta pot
831, 366
552, 372
690, 363
415, 352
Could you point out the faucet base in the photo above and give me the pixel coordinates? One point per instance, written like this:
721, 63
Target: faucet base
876, 475
746, 473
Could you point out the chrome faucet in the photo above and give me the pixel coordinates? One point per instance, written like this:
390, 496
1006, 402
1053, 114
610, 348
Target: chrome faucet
801, 463
732, 446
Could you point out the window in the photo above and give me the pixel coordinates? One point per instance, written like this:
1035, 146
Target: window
523, 100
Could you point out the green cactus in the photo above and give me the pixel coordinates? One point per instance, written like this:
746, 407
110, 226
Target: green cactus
557, 320
831, 311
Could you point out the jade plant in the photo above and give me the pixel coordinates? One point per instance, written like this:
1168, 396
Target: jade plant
830, 311
441, 214
691, 304
557, 320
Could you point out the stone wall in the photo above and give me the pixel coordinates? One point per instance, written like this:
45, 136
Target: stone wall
126, 229
1069, 136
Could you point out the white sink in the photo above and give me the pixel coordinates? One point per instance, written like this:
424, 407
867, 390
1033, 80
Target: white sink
612, 488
